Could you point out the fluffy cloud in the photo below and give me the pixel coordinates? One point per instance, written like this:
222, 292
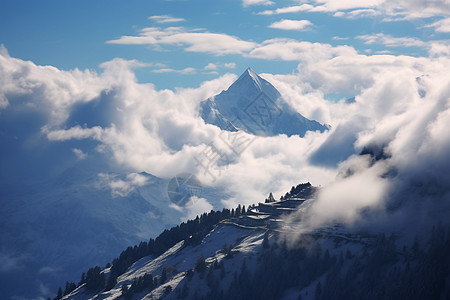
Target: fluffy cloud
299, 25
405, 108
293, 50
401, 105
204, 42
122, 187
45, 88
215, 66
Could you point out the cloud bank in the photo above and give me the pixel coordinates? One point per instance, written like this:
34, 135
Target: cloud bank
389, 10
401, 105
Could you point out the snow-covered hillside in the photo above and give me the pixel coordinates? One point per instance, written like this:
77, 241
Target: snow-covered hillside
243, 257
54, 229
254, 105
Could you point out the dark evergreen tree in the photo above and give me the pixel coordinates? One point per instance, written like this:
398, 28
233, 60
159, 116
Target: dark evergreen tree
163, 275
60, 294
200, 264
265, 243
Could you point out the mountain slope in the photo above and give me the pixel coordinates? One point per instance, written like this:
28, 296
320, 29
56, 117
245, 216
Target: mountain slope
243, 257
254, 105
56, 228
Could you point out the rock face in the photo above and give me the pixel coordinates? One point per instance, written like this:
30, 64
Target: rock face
254, 105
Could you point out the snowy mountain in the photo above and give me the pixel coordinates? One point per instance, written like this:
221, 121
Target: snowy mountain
56, 228
244, 254
254, 105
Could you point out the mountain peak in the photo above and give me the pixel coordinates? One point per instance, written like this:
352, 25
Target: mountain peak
250, 76
250, 72
254, 105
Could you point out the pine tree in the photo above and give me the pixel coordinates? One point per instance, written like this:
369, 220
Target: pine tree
318, 290
200, 265
60, 294
270, 199
266, 244
163, 275
184, 292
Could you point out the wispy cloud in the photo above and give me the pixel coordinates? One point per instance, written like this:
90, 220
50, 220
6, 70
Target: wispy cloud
357, 13
122, 187
186, 71
3, 102
79, 153
293, 50
194, 41
299, 25
442, 25
390, 41
165, 19
339, 38
246, 3
389, 10
289, 9
215, 66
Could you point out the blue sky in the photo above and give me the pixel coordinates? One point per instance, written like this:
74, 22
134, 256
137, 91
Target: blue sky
84, 34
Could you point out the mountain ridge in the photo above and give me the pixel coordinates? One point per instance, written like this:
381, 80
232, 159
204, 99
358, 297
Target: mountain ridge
232, 259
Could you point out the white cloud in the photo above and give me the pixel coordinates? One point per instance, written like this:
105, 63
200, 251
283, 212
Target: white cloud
439, 50
345, 199
390, 41
230, 65
50, 90
3, 101
186, 71
335, 5
194, 41
339, 38
405, 112
165, 19
122, 187
195, 207
76, 132
290, 9
293, 50
210, 66
79, 153
215, 66
299, 25
441, 25
246, 3
389, 10
357, 13
160, 131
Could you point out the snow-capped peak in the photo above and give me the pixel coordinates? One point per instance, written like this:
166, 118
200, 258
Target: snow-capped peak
254, 105
255, 77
